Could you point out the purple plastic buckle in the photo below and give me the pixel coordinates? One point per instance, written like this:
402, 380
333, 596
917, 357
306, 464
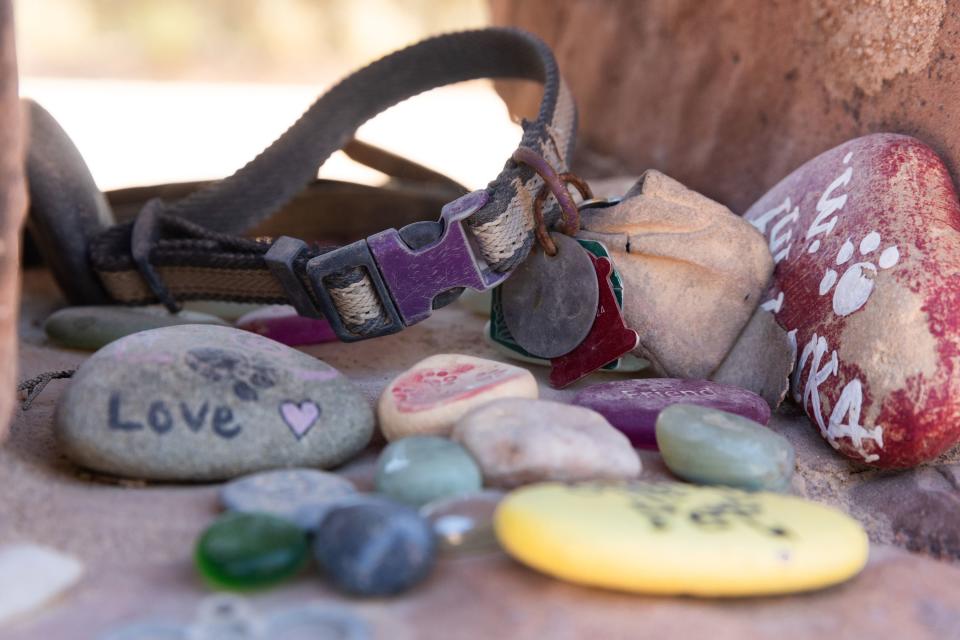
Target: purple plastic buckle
415, 277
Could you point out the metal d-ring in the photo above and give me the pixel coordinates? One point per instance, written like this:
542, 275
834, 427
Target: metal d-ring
557, 185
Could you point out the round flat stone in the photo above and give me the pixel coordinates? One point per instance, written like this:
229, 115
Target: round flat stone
250, 550
302, 496
678, 539
517, 441
433, 394
90, 328
374, 547
419, 469
201, 402
632, 406
550, 303
464, 524
707, 446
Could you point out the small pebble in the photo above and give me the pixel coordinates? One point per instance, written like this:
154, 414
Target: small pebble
707, 446
632, 406
374, 547
518, 441
476, 302
283, 324
302, 496
431, 396
419, 469
228, 311
31, 576
90, 328
242, 551
464, 524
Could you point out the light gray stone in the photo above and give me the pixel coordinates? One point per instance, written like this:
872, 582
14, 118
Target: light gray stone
517, 441
92, 327
199, 402
302, 496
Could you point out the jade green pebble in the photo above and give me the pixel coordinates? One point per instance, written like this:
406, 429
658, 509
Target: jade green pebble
419, 469
90, 328
242, 551
708, 446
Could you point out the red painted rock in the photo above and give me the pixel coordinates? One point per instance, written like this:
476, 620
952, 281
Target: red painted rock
866, 240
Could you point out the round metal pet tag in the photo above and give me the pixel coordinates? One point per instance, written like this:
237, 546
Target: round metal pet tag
549, 303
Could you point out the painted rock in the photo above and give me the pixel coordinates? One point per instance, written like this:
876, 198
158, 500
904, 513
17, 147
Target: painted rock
632, 406
464, 524
31, 576
867, 283
518, 441
282, 323
250, 550
302, 496
374, 548
431, 396
707, 446
677, 539
93, 327
419, 469
200, 402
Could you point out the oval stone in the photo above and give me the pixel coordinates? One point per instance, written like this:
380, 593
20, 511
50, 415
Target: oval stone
283, 324
707, 446
670, 538
866, 240
302, 496
419, 469
250, 550
374, 547
90, 328
431, 396
632, 406
518, 441
199, 402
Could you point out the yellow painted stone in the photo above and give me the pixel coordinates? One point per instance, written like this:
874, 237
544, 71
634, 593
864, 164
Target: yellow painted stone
672, 538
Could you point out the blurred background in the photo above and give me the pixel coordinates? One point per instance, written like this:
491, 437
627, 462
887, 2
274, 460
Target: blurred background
173, 90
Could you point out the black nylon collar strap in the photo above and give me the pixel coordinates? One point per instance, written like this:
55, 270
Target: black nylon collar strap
187, 249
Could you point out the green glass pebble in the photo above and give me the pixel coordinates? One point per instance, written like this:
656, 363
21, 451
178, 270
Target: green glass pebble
419, 469
242, 551
708, 446
92, 327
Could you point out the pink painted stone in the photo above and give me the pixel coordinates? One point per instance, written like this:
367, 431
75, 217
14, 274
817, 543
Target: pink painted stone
867, 283
632, 406
283, 324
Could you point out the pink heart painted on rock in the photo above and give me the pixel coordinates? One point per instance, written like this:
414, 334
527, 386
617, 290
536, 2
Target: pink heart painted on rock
300, 418
866, 240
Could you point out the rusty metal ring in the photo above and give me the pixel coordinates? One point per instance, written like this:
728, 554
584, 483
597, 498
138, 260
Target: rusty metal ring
557, 185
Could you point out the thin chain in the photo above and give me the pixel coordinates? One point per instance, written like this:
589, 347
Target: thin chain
34, 386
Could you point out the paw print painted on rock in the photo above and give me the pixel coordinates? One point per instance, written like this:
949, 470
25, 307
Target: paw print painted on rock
244, 376
854, 287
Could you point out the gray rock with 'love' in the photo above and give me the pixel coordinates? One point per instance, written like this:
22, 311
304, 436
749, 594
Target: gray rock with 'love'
199, 402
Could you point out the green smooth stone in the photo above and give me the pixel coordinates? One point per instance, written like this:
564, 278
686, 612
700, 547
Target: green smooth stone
241, 551
92, 327
708, 446
419, 469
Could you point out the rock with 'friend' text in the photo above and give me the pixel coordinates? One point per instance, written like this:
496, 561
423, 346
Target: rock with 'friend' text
198, 402
866, 240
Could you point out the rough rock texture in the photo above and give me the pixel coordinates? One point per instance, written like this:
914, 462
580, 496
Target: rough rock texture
13, 206
731, 95
689, 307
136, 539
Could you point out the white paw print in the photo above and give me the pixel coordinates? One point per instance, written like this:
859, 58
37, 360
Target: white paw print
856, 284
